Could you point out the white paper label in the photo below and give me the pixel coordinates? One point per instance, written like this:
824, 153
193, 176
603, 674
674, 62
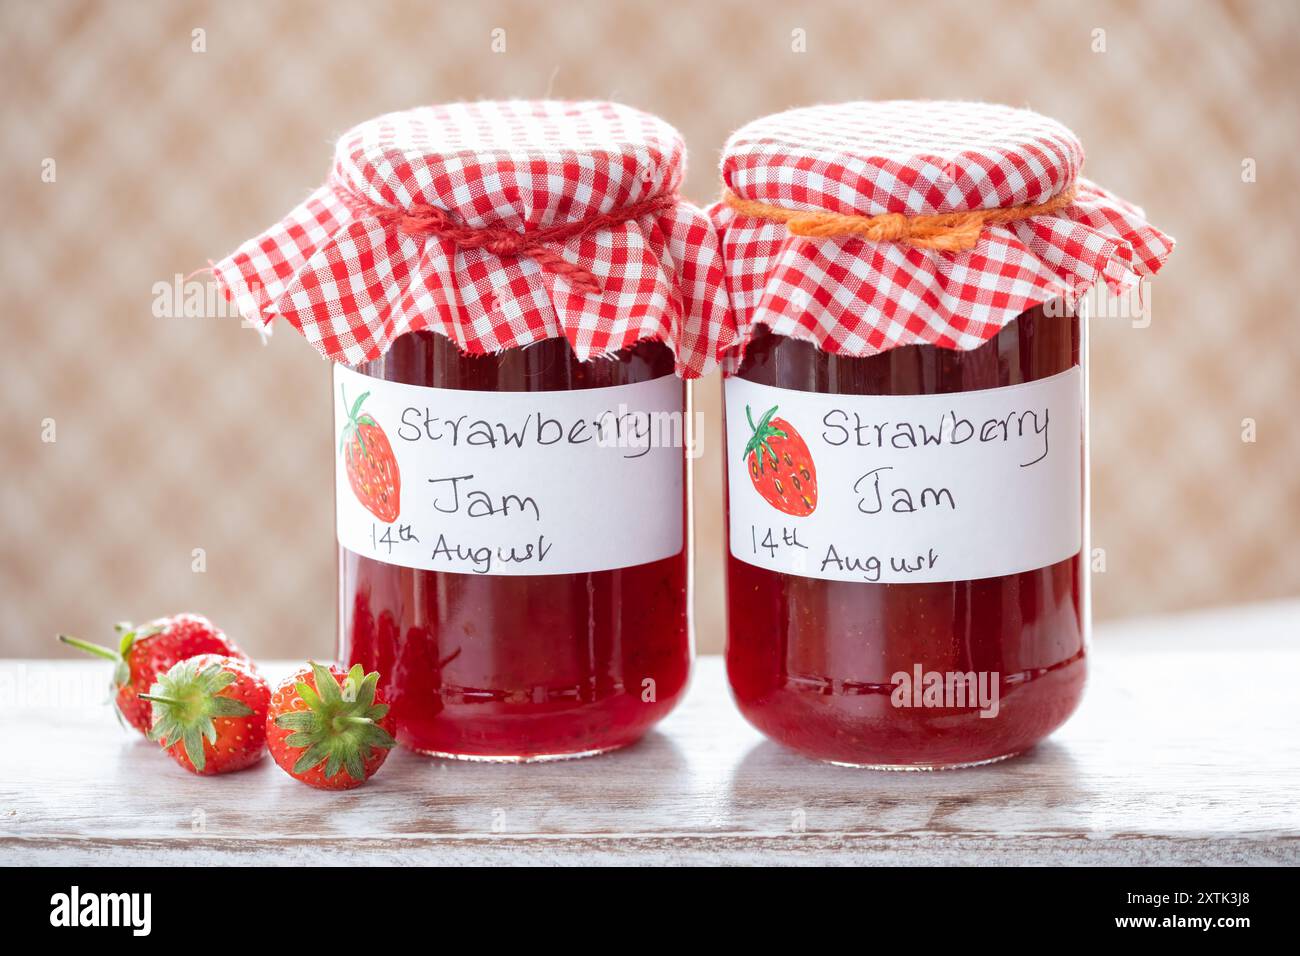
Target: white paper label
510, 483
907, 488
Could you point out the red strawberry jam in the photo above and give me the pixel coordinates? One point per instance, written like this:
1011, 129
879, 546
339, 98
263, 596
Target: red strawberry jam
811, 661
519, 667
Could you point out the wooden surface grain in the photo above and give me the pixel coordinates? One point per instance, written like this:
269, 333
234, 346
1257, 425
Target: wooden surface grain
1186, 750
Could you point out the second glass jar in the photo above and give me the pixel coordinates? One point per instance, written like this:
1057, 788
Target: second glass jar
817, 664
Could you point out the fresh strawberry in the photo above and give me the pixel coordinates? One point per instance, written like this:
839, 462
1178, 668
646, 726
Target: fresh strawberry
209, 713
330, 729
780, 465
147, 651
371, 465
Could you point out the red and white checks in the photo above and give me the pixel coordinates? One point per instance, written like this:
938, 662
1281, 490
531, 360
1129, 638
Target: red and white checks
854, 297
352, 283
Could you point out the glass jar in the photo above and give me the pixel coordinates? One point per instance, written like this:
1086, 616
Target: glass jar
521, 666
906, 422
819, 665
513, 294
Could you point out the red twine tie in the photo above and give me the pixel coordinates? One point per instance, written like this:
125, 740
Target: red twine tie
420, 219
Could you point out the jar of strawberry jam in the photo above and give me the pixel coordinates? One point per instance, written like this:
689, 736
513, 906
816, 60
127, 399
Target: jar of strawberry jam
513, 295
906, 425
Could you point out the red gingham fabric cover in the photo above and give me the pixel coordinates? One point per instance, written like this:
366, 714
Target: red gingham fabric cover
351, 286
853, 297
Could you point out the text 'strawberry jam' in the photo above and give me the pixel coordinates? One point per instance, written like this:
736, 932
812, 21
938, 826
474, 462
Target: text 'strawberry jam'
906, 426
513, 294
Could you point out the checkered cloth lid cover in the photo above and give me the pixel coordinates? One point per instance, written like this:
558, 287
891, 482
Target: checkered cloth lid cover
352, 284
854, 297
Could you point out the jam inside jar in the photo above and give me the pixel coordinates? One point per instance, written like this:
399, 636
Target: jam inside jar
527, 667
811, 661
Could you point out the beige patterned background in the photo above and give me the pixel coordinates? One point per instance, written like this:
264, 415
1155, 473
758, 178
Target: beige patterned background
176, 434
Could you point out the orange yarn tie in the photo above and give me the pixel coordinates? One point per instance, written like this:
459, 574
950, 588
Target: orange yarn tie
420, 219
942, 232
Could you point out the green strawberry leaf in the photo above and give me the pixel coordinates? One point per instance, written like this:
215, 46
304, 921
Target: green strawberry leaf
338, 729
759, 443
356, 406
185, 701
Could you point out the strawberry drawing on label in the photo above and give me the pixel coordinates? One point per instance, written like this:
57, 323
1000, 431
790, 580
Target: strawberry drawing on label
780, 465
371, 465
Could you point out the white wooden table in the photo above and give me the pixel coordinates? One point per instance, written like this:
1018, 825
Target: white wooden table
1186, 750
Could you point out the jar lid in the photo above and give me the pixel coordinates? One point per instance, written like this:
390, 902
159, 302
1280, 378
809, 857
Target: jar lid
496, 224
866, 226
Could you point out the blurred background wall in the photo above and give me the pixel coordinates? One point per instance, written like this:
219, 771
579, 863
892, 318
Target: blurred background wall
191, 465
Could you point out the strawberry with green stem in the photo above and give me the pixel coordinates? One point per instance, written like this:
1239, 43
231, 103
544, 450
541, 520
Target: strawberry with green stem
330, 729
146, 651
369, 461
209, 714
780, 466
